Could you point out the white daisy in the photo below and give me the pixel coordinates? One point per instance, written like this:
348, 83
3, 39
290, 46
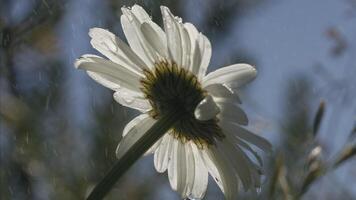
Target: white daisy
162, 70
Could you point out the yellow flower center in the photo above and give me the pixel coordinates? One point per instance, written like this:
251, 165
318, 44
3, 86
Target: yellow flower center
168, 87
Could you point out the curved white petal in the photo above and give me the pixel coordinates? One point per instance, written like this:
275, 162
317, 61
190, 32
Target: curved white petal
200, 51
135, 131
115, 49
132, 99
234, 75
155, 36
104, 80
249, 149
231, 111
177, 171
222, 91
185, 47
206, 109
173, 30
163, 153
190, 171
117, 73
140, 13
195, 54
222, 171
244, 134
133, 123
205, 49
238, 161
154, 147
200, 178
131, 21
196, 174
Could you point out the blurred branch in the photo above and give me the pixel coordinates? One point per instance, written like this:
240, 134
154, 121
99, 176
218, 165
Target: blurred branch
339, 40
317, 170
345, 155
12, 35
318, 117
279, 179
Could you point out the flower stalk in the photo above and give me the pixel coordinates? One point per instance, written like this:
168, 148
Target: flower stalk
153, 134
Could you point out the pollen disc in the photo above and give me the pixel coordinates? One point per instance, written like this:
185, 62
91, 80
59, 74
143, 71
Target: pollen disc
168, 87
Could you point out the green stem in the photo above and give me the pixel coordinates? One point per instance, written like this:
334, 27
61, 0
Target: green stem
133, 154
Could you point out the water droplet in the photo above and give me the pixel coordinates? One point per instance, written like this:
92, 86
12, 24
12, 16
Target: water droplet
178, 19
127, 98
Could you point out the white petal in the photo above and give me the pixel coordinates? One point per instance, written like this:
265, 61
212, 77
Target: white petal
131, 26
200, 178
249, 149
205, 49
206, 109
154, 147
244, 134
177, 171
221, 170
186, 59
190, 171
195, 54
238, 161
212, 168
200, 51
136, 131
119, 74
131, 99
196, 60
175, 36
140, 13
231, 111
234, 75
104, 80
222, 91
155, 37
115, 49
132, 124
163, 153
249, 172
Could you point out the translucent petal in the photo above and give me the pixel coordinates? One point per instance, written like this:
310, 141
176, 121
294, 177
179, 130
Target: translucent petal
200, 51
131, 25
221, 170
234, 75
231, 111
200, 178
115, 49
206, 109
155, 37
177, 171
132, 99
222, 91
173, 31
133, 135
117, 73
244, 134
163, 153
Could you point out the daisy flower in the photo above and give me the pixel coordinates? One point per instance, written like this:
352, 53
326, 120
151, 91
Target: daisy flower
164, 70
